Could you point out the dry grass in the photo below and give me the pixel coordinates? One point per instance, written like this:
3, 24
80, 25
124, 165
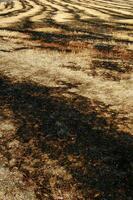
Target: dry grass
66, 110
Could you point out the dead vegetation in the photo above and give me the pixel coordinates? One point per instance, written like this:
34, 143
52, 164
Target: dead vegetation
66, 100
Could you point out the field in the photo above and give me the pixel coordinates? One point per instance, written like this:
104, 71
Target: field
66, 100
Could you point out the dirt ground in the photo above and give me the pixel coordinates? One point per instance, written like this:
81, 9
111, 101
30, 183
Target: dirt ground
66, 100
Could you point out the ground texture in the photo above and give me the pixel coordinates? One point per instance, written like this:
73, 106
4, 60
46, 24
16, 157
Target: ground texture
66, 93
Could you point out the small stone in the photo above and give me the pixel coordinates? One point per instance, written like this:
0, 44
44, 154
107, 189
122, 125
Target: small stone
1, 117
12, 162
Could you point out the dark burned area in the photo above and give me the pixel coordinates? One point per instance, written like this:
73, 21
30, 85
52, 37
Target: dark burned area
48, 123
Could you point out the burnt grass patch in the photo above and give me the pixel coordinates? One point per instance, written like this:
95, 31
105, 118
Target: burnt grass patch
104, 47
63, 128
113, 66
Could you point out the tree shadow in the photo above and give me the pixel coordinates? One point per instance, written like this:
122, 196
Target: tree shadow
69, 140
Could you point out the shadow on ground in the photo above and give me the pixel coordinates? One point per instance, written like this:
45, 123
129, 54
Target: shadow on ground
67, 142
